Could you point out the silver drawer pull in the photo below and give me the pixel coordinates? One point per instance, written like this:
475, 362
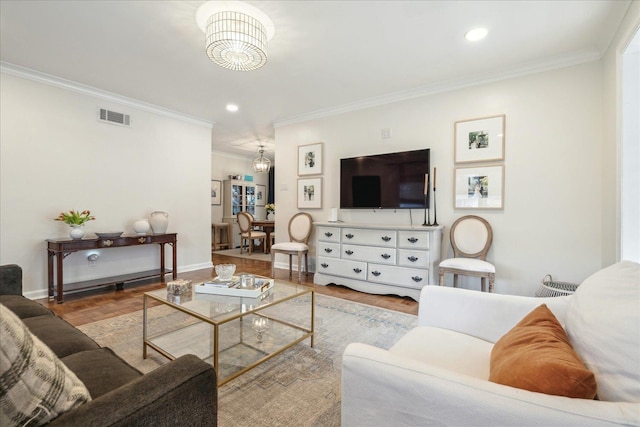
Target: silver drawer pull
416, 279
412, 258
324, 265
357, 270
349, 252
412, 239
386, 238
328, 250
349, 236
328, 234
376, 273
385, 256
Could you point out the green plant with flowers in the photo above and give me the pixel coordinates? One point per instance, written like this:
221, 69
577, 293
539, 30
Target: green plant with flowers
270, 207
74, 217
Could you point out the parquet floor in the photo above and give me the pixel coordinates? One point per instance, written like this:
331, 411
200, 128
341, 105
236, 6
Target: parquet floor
99, 304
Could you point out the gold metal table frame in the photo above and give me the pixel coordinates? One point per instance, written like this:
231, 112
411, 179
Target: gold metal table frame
203, 309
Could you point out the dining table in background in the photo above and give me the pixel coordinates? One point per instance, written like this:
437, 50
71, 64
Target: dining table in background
268, 226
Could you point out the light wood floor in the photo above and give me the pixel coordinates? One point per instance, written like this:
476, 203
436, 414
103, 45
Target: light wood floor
99, 304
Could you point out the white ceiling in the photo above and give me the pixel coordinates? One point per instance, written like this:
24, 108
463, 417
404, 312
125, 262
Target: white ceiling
326, 56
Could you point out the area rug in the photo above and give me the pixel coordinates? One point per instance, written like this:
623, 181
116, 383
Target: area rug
258, 256
301, 386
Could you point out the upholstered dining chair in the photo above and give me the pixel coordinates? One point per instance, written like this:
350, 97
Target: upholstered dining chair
299, 231
471, 238
248, 234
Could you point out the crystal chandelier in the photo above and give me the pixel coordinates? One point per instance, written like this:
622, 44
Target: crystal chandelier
261, 164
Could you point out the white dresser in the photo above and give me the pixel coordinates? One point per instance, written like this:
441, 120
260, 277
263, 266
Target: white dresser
378, 259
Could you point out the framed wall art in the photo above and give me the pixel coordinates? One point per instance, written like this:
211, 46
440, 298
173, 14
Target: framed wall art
479, 187
261, 195
309, 193
216, 192
310, 159
479, 140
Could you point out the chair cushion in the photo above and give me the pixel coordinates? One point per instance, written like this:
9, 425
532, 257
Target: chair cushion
255, 234
101, 370
469, 264
535, 355
290, 246
36, 386
24, 307
446, 349
603, 325
62, 338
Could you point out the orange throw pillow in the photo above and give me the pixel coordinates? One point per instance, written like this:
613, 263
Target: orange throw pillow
536, 355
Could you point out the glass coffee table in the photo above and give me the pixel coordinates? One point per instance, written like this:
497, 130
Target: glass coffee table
234, 334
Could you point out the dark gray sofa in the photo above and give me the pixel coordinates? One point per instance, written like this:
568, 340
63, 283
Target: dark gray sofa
182, 392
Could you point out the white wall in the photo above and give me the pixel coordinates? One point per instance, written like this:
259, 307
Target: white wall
551, 222
612, 151
56, 156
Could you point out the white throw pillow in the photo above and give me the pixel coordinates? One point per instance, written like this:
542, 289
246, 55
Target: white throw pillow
603, 325
36, 385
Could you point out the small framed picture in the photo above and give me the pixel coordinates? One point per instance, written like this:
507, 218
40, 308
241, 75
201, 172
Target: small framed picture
216, 194
261, 195
309, 193
479, 187
310, 159
479, 140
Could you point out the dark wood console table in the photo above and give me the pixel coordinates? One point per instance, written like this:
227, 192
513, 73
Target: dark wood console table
61, 248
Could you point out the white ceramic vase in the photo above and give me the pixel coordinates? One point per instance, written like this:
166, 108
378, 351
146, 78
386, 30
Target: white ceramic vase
141, 226
159, 222
77, 231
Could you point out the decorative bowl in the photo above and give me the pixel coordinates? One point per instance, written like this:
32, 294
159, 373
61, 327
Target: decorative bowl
225, 271
110, 235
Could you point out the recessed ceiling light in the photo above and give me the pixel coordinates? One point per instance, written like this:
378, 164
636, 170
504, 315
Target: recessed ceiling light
232, 108
476, 34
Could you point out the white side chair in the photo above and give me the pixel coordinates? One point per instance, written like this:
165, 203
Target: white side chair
248, 234
471, 238
299, 231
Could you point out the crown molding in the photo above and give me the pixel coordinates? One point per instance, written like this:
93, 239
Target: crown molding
36, 76
448, 86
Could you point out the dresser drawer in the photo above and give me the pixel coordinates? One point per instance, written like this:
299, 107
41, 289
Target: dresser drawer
358, 236
409, 258
329, 234
399, 276
331, 250
413, 239
375, 254
343, 268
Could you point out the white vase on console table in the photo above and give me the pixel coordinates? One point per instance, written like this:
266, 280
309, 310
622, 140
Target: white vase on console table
159, 222
141, 226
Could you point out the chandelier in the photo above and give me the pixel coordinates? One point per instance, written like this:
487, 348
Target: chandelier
261, 164
236, 34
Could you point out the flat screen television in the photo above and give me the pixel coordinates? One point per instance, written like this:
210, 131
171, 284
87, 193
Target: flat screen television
384, 181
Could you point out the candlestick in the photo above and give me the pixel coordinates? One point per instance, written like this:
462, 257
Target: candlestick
425, 211
435, 211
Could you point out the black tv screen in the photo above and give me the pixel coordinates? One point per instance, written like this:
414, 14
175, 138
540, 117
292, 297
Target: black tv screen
391, 181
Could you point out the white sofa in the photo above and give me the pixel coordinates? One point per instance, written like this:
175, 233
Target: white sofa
437, 374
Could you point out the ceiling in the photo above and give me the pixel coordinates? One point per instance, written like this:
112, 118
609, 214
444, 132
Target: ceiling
326, 56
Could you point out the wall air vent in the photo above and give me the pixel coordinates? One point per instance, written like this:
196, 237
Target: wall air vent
114, 117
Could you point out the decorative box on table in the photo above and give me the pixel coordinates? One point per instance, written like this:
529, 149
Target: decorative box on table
180, 286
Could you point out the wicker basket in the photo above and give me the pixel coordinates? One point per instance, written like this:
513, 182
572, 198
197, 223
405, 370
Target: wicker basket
554, 288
